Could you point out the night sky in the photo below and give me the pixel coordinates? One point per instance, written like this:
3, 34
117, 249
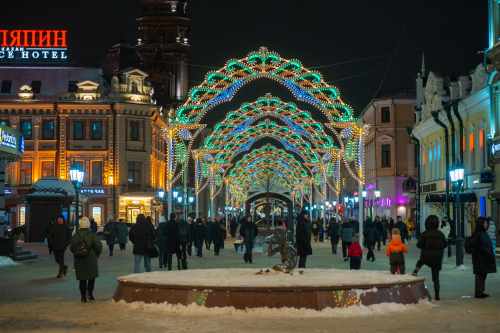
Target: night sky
318, 33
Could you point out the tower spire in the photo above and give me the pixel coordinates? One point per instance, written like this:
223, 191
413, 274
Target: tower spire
423, 65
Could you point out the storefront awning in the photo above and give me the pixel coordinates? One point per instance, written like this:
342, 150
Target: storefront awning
441, 198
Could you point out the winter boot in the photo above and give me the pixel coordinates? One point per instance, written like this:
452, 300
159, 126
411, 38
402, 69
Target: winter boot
110, 254
90, 297
60, 275
436, 296
414, 273
84, 299
65, 270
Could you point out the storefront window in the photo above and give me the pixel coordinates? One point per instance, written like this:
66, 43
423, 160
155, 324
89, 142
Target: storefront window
22, 215
96, 214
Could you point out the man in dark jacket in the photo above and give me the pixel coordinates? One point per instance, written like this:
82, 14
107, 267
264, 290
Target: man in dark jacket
371, 235
47, 233
111, 234
385, 228
161, 238
185, 237
140, 234
380, 230
391, 224
333, 232
216, 235
173, 240
199, 236
60, 238
191, 224
233, 226
249, 232
432, 244
208, 225
122, 232
93, 225
303, 238
403, 230
346, 233
483, 256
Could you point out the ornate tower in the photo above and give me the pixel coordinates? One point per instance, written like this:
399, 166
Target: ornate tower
164, 45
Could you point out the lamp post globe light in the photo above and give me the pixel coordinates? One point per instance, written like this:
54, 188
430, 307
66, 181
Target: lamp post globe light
377, 196
457, 173
77, 174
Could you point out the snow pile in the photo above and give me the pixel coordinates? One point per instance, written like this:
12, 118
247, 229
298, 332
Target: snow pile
53, 187
246, 277
461, 268
6, 261
352, 311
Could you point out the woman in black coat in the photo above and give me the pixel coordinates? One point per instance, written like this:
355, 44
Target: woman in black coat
483, 257
432, 244
216, 236
303, 238
371, 236
199, 236
233, 226
333, 232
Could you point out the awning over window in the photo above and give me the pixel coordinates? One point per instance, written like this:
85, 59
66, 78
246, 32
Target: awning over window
464, 197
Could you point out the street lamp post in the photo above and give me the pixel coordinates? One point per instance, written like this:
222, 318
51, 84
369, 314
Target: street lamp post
377, 196
457, 177
161, 195
76, 174
191, 200
179, 200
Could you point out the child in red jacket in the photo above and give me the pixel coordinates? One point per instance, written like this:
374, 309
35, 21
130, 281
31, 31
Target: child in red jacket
355, 253
395, 251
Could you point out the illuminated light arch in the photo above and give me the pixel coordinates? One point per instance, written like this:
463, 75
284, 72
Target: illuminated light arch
220, 86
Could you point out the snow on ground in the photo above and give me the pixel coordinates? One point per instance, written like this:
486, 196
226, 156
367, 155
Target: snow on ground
351, 311
245, 277
6, 261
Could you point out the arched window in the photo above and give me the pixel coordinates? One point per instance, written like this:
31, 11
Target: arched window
440, 162
472, 168
422, 162
482, 141
436, 162
135, 87
431, 163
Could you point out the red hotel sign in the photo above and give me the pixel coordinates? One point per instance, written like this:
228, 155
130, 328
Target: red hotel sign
35, 45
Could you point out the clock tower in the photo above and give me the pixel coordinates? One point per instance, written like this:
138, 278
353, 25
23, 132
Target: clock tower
164, 45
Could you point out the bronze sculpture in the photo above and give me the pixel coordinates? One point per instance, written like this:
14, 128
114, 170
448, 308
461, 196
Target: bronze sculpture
288, 254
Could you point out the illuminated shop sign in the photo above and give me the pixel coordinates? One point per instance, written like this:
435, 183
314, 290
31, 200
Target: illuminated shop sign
34, 45
93, 191
11, 141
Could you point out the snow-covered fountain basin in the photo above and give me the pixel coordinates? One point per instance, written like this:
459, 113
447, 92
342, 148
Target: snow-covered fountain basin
243, 288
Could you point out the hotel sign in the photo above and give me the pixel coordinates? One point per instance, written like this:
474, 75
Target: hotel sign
33, 45
93, 191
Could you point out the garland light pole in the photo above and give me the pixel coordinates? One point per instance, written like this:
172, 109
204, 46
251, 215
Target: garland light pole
457, 177
76, 174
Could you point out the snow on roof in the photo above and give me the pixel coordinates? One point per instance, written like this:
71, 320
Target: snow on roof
52, 187
53, 79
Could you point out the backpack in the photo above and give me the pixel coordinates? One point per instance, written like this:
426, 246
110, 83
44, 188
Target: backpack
183, 231
468, 245
81, 248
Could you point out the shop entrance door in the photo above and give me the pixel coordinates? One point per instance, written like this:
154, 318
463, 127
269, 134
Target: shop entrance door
132, 214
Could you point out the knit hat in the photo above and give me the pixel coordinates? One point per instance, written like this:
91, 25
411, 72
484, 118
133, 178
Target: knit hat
162, 219
376, 216
111, 216
304, 212
355, 239
444, 216
189, 218
84, 223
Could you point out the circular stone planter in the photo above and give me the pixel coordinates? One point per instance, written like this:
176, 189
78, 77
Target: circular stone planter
241, 288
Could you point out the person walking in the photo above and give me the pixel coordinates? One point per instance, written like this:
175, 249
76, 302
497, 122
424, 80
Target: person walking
122, 232
483, 257
385, 228
409, 227
199, 236
391, 223
401, 226
93, 225
47, 233
371, 236
208, 225
355, 253
233, 226
249, 232
161, 241
173, 241
395, 251
216, 236
140, 234
346, 233
380, 231
432, 244
303, 238
185, 237
191, 224
59, 239
86, 268
445, 228
315, 229
492, 233
111, 234
333, 232
321, 233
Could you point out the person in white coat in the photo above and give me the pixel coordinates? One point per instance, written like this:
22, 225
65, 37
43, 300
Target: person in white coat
492, 232
445, 228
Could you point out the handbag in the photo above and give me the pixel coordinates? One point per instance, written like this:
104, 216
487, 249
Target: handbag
152, 247
389, 236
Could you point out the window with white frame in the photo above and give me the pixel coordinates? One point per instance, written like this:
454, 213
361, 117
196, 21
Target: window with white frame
440, 166
481, 141
472, 168
435, 167
431, 164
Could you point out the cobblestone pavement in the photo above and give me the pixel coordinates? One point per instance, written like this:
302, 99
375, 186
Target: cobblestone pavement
31, 298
